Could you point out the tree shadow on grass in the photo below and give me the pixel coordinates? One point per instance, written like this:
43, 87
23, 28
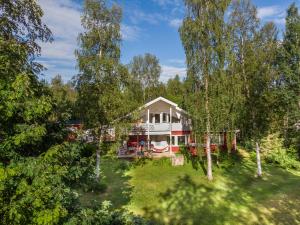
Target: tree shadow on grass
239, 199
118, 190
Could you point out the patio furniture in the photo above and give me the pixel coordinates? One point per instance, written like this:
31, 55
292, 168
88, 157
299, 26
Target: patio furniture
160, 147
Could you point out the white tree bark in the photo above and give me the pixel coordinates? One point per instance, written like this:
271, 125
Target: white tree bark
98, 163
98, 156
208, 152
259, 170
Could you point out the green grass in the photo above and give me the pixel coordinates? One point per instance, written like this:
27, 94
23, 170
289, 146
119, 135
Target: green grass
182, 195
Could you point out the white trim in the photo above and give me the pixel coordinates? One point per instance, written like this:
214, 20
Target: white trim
166, 101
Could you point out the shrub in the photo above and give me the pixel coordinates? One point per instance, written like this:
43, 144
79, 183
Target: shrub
94, 185
104, 215
273, 151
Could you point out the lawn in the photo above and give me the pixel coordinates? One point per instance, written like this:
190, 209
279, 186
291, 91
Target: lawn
182, 195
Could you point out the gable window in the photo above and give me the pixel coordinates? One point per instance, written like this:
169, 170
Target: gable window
165, 118
157, 118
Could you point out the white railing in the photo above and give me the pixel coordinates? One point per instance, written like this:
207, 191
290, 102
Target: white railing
156, 127
180, 126
160, 127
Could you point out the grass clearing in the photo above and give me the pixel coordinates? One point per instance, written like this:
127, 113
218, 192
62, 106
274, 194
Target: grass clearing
182, 195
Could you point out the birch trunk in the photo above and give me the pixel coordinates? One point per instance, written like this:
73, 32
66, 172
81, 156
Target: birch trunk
259, 171
98, 158
208, 152
98, 164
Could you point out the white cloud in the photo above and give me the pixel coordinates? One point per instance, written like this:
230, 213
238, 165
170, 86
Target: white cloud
273, 13
167, 2
279, 21
268, 11
137, 16
170, 72
130, 33
63, 18
177, 62
175, 23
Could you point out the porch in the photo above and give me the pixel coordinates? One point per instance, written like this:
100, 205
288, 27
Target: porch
153, 145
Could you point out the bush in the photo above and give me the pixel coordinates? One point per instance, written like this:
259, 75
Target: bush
94, 185
273, 151
104, 215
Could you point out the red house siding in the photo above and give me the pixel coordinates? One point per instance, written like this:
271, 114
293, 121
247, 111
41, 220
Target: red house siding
180, 132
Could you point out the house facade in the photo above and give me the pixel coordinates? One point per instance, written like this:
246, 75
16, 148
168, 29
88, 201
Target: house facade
162, 127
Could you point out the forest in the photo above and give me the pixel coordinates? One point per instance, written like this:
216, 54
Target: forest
242, 75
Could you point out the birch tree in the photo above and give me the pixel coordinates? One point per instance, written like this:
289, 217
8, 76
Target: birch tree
202, 37
101, 76
146, 70
254, 51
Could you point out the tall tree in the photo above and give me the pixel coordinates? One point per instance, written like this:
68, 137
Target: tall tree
64, 97
175, 90
146, 70
288, 81
254, 53
202, 37
100, 82
24, 105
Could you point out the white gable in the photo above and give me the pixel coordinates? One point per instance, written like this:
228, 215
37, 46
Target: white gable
163, 105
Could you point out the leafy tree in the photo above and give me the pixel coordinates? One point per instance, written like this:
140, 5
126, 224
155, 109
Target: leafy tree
24, 107
146, 71
203, 39
288, 82
21, 28
254, 53
102, 81
175, 90
64, 97
39, 190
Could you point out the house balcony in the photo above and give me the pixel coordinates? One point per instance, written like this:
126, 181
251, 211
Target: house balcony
159, 128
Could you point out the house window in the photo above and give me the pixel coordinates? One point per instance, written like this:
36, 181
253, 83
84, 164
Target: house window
157, 118
165, 118
175, 120
152, 118
173, 140
181, 140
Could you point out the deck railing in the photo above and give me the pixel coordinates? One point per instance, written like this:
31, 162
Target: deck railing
160, 127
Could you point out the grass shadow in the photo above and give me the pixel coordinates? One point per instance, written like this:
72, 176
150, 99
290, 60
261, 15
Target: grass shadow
236, 197
118, 190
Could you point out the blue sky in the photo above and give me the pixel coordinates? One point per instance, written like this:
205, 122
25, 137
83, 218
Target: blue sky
148, 26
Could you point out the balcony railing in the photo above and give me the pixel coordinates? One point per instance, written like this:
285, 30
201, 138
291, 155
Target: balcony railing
160, 127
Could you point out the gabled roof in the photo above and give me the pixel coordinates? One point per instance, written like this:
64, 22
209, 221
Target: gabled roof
166, 101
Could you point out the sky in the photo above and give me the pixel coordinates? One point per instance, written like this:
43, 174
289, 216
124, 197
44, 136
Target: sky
148, 26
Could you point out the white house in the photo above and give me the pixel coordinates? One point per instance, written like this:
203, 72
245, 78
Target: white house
161, 120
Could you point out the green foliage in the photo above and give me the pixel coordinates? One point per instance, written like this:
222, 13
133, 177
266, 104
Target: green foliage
175, 90
274, 151
145, 71
64, 98
45, 184
105, 216
102, 84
